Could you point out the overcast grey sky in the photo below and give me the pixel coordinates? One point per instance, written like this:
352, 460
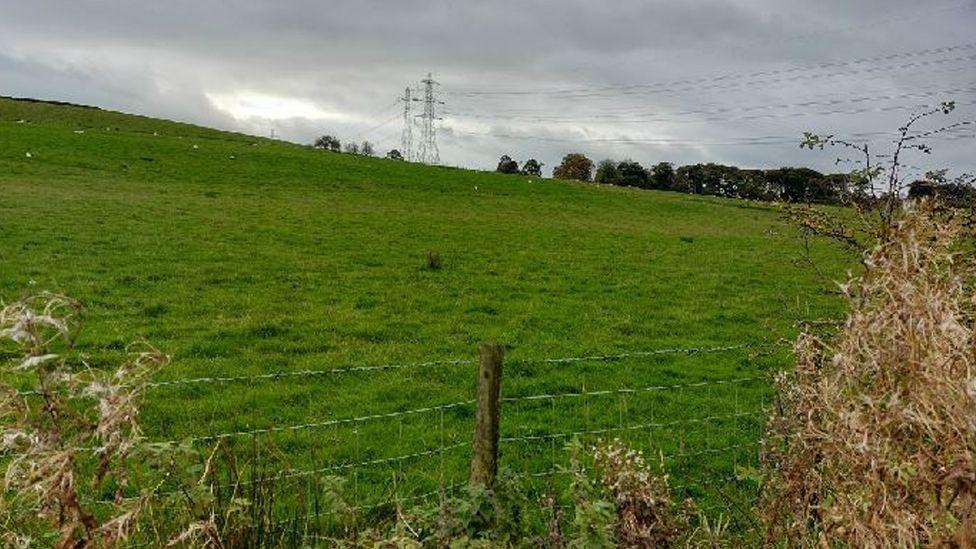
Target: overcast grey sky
734, 81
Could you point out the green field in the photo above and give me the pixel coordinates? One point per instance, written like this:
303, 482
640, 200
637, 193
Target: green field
240, 256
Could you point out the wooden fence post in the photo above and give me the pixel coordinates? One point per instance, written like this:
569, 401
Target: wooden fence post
484, 450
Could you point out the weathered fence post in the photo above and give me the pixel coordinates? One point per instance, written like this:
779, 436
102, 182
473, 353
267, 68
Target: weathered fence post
484, 450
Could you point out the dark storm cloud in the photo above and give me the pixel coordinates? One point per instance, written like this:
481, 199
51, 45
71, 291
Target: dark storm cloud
305, 67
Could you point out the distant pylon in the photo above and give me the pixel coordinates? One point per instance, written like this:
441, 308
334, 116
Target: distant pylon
428, 153
406, 140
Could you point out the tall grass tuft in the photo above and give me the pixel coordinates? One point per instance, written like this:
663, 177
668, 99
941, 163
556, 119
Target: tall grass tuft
68, 445
434, 261
871, 438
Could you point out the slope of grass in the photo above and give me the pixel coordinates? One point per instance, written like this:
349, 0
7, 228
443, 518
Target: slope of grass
240, 256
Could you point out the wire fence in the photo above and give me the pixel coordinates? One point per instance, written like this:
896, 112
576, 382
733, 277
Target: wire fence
697, 411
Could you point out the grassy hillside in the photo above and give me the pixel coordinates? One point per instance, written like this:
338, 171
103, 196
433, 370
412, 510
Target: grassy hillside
240, 255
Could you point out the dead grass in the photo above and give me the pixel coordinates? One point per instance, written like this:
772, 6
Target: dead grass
871, 440
72, 439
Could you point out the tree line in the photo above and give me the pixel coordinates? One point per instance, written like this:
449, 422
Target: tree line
531, 167
332, 143
787, 184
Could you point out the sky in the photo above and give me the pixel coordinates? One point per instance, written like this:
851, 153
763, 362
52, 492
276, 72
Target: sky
728, 81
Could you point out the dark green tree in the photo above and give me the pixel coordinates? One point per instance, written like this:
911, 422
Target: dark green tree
802, 185
507, 165
327, 142
662, 176
532, 167
632, 174
606, 173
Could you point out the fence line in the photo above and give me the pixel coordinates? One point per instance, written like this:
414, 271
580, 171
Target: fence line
319, 424
378, 461
307, 373
638, 427
438, 449
448, 362
637, 354
428, 476
626, 390
441, 407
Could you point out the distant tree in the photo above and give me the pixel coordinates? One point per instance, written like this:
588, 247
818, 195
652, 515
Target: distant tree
701, 179
802, 185
662, 176
688, 179
351, 148
720, 180
957, 194
366, 149
327, 142
921, 188
632, 174
753, 185
532, 167
606, 173
507, 165
394, 155
574, 166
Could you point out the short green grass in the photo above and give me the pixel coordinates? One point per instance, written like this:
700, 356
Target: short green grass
239, 255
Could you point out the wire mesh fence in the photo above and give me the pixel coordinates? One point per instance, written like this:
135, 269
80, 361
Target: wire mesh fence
696, 412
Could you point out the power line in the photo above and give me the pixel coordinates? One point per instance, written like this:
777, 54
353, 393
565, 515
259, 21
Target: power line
801, 101
645, 116
738, 141
669, 85
767, 82
378, 126
361, 136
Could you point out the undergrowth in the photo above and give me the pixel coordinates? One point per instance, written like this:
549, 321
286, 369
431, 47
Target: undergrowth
872, 437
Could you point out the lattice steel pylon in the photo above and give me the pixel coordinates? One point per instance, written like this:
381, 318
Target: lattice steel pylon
428, 152
406, 140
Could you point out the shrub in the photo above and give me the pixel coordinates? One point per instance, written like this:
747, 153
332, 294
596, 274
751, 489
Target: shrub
646, 516
871, 440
